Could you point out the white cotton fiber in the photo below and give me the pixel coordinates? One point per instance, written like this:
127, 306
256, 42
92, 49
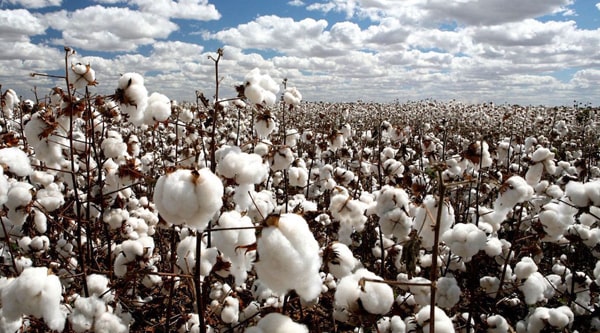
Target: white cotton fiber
465, 240
35, 292
231, 242
189, 197
15, 161
374, 297
277, 323
289, 257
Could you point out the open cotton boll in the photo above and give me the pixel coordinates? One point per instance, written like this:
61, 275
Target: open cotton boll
158, 109
15, 161
190, 197
341, 261
35, 292
132, 96
292, 96
277, 323
534, 288
281, 159
577, 194
443, 323
542, 318
297, 177
113, 146
448, 293
426, 218
525, 267
18, 198
231, 310
392, 207
242, 167
513, 191
11, 99
186, 256
490, 285
534, 174
49, 198
231, 243
465, 240
497, 324
289, 257
349, 212
555, 224
353, 293
81, 76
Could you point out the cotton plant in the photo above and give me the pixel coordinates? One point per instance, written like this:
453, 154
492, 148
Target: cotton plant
289, 257
189, 197
35, 292
237, 233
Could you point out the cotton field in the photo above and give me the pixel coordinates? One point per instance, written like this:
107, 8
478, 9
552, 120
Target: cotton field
261, 212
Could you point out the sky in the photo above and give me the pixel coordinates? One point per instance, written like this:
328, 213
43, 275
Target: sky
503, 51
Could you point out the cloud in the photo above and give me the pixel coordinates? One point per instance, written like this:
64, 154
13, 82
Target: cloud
35, 4
183, 9
19, 23
108, 28
296, 3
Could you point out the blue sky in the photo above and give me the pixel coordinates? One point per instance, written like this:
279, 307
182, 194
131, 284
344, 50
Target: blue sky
513, 51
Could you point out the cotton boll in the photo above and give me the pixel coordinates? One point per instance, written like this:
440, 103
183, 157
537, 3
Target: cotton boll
497, 324
231, 243
113, 146
448, 292
493, 247
592, 190
49, 198
349, 212
186, 256
577, 194
341, 261
254, 93
19, 197
525, 267
158, 109
298, 177
374, 297
465, 240
231, 310
513, 191
277, 323
443, 323
242, 167
281, 159
392, 207
15, 161
426, 218
292, 96
11, 99
132, 96
534, 173
490, 284
37, 293
188, 197
81, 76
289, 257
533, 288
